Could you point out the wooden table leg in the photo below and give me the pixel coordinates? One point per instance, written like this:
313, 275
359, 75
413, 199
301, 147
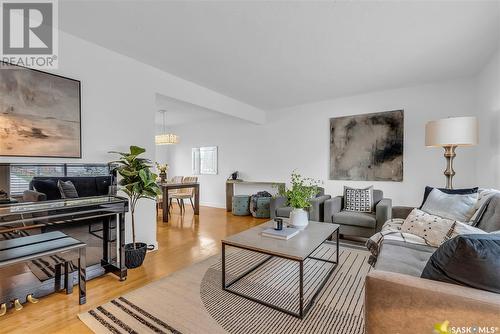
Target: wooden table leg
229, 196
197, 199
82, 267
165, 207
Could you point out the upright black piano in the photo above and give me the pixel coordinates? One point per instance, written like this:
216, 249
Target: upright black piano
97, 221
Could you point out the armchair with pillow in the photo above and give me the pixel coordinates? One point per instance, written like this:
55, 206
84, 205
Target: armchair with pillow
451, 274
279, 208
359, 221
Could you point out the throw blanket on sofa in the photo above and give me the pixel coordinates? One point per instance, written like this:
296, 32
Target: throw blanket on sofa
390, 231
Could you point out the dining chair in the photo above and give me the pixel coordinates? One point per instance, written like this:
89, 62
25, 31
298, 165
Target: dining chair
159, 201
185, 193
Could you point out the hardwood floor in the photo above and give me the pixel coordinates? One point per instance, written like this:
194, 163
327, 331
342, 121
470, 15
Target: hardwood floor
182, 242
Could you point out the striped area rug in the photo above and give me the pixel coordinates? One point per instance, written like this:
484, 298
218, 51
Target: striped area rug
192, 301
337, 309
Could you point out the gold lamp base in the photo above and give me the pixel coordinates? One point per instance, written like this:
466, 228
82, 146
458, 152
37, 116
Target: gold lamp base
449, 154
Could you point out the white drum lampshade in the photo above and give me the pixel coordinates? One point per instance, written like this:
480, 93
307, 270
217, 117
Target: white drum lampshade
454, 131
451, 133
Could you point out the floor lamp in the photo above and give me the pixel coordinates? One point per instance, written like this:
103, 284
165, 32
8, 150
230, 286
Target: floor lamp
450, 133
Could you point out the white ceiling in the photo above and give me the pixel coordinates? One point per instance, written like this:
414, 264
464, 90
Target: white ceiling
284, 53
180, 113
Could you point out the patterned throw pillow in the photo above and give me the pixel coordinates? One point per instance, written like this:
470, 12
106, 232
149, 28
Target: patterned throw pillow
433, 229
67, 189
359, 200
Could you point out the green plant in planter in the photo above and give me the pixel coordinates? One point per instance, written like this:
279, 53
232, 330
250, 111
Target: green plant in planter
301, 191
137, 179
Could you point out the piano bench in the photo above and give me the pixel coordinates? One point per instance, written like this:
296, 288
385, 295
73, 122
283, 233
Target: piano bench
54, 244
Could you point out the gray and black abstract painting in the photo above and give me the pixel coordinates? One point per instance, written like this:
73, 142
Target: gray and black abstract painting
39, 114
367, 147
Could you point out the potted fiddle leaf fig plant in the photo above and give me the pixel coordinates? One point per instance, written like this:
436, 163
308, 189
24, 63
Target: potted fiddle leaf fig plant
297, 196
138, 182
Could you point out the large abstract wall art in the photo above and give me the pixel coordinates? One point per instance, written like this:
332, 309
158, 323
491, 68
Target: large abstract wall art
367, 147
39, 114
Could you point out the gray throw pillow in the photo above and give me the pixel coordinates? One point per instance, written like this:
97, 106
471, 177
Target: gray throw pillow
358, 200
67, 189
472, 260
450, 206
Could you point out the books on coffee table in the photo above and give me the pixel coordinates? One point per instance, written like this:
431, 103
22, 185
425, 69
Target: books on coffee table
284, 234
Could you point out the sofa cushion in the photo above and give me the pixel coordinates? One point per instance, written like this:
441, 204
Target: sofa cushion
47, 187
85, 185
352, 218
483, 197
102, 185
403, 257
284, 212
490, 219
463, 191
459, 207
472, 260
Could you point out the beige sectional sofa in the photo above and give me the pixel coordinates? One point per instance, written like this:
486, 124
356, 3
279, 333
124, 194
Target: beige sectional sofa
397, 300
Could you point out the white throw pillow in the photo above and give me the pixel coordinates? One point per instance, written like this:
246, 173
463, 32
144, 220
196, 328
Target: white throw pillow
462, 228
432, 229
450, 206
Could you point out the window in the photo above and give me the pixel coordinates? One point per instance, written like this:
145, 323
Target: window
87, 170
20, 175
204, 160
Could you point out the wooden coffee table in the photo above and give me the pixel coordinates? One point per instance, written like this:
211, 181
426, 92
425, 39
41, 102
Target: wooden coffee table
299, 248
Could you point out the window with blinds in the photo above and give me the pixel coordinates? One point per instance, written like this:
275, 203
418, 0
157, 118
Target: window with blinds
87, 170
21, 174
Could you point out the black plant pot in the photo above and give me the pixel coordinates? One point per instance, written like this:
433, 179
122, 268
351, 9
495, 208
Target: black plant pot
134, 257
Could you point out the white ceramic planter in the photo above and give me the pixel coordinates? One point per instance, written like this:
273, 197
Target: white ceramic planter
299, 219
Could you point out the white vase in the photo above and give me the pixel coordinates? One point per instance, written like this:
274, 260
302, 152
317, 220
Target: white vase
299, 219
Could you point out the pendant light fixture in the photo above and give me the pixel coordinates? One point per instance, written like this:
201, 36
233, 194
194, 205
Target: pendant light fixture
166, 138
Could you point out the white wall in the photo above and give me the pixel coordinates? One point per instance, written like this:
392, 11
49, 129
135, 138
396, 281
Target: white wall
488, 162
118, 108
298, 138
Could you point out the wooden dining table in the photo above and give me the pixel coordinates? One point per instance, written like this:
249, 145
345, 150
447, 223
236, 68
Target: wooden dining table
166, 186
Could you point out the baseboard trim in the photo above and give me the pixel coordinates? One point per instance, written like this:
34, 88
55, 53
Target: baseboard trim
213, 205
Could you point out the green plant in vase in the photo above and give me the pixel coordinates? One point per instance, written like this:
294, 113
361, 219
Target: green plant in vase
138, 182
298, 195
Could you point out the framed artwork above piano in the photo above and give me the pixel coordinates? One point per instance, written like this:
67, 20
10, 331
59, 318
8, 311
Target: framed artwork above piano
40, 114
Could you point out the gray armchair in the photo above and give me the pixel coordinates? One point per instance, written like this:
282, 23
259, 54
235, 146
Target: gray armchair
316, 210
360, 224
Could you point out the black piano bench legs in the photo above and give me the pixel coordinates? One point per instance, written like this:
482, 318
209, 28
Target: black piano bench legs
68, 277
82, 267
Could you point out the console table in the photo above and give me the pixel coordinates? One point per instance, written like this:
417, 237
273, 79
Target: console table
230, 184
